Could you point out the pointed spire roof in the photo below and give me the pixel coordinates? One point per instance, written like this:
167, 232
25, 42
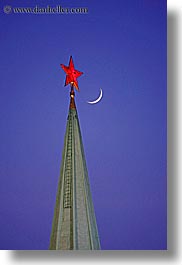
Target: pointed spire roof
74, 224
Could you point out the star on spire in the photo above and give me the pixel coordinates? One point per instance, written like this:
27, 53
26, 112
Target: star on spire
71, 74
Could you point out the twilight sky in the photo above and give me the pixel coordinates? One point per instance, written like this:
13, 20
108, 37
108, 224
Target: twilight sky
121, 47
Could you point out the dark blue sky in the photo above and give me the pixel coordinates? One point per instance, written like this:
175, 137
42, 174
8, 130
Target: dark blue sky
121, 47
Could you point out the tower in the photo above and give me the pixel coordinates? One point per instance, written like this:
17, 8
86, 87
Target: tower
74, 225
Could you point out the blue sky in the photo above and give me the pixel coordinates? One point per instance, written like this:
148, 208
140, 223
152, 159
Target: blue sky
121, 48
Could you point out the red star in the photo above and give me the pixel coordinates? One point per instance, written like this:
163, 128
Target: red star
71, 74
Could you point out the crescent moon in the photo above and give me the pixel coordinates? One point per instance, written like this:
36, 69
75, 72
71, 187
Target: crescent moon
98, 99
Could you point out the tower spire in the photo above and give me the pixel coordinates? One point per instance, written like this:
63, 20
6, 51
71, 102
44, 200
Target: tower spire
72, 98
74, 225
